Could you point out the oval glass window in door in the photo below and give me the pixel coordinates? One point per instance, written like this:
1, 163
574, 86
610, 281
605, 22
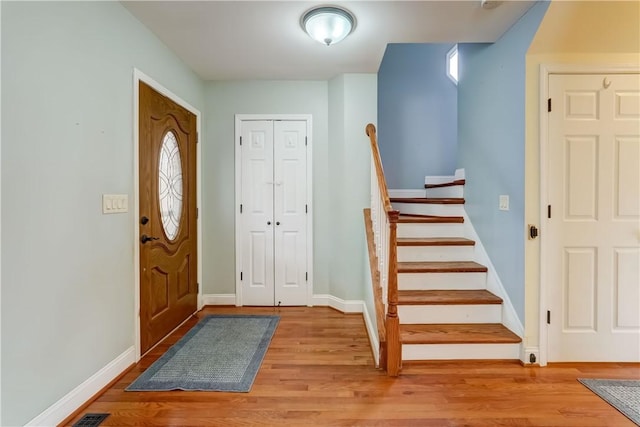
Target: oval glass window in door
170, 185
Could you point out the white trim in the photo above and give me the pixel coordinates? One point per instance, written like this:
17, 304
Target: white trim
0, 220
345, 306
545, 71
139, 76
77, 397
372, 331
239, 118
219, 299
509, 316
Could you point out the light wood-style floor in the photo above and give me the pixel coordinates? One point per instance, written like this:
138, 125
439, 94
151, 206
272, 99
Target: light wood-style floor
319, 371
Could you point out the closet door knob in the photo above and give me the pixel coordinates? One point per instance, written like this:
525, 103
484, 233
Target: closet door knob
268, 222
277, 222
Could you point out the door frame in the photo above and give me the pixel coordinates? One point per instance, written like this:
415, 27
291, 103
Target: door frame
239, 118
139, 76
546, 70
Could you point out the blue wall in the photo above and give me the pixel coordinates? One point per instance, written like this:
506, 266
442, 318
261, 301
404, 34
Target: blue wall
491, 138
417, 114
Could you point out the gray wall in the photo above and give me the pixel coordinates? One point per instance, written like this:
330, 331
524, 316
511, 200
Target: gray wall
417, 105
67, 270
491, 130
352, 105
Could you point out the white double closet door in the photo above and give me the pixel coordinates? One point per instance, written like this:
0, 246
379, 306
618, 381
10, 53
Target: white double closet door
273, 222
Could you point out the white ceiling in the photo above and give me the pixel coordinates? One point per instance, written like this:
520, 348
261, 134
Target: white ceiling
238, 40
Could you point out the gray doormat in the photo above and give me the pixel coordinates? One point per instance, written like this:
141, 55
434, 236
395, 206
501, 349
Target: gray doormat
220, 353
624, 395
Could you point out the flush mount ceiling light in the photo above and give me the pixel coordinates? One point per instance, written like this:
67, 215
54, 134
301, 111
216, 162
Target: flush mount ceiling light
328, 24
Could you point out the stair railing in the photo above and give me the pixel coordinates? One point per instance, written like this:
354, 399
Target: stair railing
385, 224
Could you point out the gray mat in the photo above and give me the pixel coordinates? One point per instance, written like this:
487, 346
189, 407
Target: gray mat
220, 353
624, 395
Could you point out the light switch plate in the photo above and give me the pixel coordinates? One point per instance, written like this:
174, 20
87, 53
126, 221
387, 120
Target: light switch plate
504, 203
115, 203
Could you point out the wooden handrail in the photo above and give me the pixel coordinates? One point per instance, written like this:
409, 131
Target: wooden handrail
382, 183
393, 347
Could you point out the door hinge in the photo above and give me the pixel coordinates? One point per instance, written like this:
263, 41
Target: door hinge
197, 286
240, 140
306, 140
548, 211
548, 317
197, 213
306, 276
549, 105
306, 208
240, 207
241, 276
197, 137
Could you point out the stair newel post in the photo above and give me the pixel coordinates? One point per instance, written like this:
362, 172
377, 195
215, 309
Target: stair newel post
394, 346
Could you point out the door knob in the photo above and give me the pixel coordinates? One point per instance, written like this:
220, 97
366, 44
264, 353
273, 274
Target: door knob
144, 238
268, 222
277, 222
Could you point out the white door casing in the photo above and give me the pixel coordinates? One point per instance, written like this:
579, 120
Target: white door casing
273, 220
591, 243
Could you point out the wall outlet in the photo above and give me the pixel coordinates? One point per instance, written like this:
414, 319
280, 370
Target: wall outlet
504, 203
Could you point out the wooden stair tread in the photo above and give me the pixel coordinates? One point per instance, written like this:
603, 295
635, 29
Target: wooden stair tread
429, 219
441, 267
434, 241
458, 333
447, 297
446, 184
429, 200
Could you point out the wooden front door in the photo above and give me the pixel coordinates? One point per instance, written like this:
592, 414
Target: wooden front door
168, 236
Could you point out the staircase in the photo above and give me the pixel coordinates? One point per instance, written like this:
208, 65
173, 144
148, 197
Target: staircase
444, 308
431, 295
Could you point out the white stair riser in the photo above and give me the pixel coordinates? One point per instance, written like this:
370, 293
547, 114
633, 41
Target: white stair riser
430, 230
408, 193
435, 209
440, 179
443, 281
420, 314
460, 351
454, 191
435, 253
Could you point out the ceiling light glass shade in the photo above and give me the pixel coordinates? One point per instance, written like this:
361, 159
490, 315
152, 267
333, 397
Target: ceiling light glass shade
328, 24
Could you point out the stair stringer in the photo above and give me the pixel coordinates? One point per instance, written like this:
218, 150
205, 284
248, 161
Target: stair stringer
494, 285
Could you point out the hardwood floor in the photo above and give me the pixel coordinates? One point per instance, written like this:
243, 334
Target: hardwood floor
319, 371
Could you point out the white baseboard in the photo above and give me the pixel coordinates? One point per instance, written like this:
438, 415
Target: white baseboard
345, 306
77, 397
372, 331
219, 299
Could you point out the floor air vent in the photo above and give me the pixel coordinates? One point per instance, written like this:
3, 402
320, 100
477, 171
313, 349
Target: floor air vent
91, 420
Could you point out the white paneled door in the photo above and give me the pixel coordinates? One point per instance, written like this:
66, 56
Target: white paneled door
273, 221
593, 233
